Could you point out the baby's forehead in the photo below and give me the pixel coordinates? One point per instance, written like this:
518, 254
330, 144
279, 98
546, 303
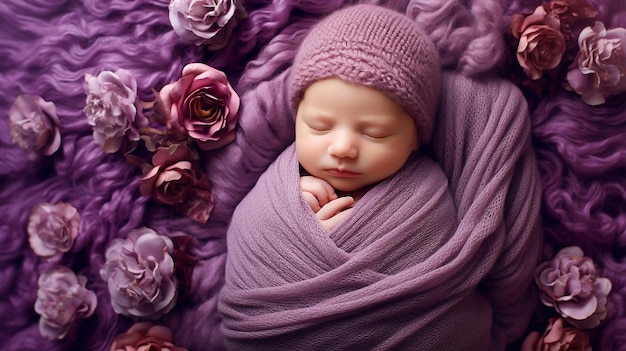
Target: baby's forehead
334, 97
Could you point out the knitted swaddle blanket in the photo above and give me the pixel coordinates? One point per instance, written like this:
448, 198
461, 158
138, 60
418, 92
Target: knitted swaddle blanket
427, 260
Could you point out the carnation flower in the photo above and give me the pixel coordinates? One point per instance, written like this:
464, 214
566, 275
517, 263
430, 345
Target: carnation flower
202, 105
33, 124
177, 180
541, 43
599, 69
145, 336
205, 22
62, 298
52, 228
557, 337
113, 108
139, 271
570, 284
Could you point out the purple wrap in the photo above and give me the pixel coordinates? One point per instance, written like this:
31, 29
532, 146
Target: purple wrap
400, 272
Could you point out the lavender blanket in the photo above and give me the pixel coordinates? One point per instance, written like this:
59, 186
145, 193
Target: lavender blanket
414, 263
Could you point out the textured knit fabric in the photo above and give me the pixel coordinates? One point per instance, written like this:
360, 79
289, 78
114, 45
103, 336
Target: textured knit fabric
377, 47
430, 259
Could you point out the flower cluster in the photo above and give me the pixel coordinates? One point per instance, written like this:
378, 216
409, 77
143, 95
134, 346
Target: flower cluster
62, 296
570, 284
196, 112
145, 272
142, 273
562, 44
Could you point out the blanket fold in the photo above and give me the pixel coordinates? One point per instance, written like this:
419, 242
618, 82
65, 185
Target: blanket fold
415, 263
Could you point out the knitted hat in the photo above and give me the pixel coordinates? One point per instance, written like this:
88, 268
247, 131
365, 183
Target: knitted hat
376, 47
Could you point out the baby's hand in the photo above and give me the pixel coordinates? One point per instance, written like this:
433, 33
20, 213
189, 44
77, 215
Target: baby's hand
317, 192
333, 212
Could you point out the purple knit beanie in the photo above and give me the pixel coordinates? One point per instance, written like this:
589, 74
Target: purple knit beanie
376, 47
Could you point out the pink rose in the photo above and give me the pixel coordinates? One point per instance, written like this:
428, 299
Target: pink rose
145, 336
177, 180
205, 22
139, 272
203, 105
598, 71
557, 337
541, 43
112, 108
52, 228
33, 123
570, 284
61, 299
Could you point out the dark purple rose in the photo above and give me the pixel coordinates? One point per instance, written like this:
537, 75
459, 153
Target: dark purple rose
203, 105
569, 12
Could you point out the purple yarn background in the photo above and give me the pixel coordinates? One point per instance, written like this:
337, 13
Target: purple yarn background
46, 47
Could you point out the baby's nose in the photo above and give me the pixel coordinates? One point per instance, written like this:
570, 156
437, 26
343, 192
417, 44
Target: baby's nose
344, 145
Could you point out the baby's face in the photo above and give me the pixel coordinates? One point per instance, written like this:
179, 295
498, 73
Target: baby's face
350, 135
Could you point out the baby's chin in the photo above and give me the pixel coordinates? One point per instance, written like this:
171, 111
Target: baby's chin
355, 191
344, 186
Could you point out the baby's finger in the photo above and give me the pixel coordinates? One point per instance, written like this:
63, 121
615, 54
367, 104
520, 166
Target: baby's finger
334, 207
320, 188
311, 200
332, 222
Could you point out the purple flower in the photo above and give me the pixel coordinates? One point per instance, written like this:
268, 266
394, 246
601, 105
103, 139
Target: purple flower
52, 228
112, 108
33, 123
139, 271
570, 284
61, 299
205, 22
599, 69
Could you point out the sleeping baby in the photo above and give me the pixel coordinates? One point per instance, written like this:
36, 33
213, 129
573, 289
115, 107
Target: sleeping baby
351, 239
